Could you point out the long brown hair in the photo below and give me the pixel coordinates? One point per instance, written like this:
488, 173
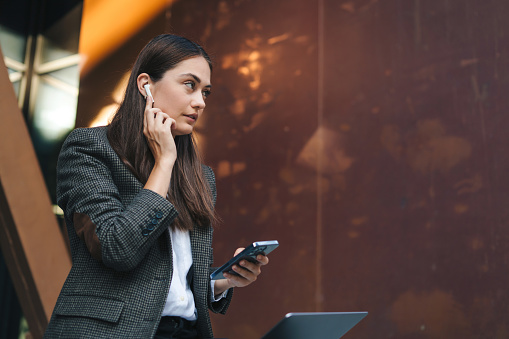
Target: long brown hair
189, 191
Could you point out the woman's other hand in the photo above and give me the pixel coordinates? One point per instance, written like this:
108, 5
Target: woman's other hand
247, 272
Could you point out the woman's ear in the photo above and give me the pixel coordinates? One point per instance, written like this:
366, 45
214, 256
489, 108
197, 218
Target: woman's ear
142, 80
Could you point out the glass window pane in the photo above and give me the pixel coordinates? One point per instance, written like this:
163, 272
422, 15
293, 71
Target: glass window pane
55, 112
69, 75
52, 51
13, 44
62, 38
17, 86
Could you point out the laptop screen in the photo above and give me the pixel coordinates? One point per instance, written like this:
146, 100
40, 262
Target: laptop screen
323, 325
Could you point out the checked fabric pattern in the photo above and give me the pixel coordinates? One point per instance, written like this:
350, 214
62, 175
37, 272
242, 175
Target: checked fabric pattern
120, 247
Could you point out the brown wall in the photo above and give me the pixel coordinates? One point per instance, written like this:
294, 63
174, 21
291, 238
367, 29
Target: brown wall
367, 137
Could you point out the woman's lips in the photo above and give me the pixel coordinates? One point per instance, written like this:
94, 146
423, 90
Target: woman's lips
191, 117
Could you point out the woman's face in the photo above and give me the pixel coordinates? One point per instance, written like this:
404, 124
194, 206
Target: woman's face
182, 91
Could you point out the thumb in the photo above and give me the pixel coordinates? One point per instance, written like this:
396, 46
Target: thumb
240, 249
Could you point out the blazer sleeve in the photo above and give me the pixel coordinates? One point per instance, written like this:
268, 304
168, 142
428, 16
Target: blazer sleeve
211, 180
118, 234
222, 304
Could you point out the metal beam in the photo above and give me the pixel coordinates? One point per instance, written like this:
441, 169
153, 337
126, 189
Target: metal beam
32, 243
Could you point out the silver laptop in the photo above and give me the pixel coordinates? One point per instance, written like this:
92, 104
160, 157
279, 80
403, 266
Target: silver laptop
323, 325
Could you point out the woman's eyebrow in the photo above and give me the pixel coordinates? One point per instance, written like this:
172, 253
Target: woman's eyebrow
197, 79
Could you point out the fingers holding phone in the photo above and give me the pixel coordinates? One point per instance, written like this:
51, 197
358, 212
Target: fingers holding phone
245, 266
157, 128
247, 271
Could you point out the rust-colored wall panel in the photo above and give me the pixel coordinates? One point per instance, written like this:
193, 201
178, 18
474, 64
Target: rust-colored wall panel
423, 210
368, 138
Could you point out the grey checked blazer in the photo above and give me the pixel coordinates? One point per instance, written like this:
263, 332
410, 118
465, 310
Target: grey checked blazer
120, 247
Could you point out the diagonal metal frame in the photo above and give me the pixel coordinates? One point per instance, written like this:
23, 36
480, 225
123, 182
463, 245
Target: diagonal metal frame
30, 238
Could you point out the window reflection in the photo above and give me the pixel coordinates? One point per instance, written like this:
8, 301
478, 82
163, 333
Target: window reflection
39, 40
14, 50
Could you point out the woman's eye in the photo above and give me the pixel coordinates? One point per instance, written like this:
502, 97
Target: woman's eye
189, 84
206, 93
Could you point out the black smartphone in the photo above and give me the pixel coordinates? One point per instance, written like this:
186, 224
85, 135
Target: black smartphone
249, 253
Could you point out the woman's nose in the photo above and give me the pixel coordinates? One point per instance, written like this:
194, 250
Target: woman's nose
198, 101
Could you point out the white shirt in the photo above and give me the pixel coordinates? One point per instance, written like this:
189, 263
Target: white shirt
180, 300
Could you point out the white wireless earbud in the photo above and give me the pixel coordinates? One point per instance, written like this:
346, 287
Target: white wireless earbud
147, 89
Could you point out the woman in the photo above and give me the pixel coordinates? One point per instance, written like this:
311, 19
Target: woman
138, 206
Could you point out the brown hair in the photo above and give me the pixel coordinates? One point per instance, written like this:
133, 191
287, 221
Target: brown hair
189, 191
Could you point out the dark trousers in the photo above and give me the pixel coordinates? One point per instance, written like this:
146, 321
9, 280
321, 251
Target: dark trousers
176, 328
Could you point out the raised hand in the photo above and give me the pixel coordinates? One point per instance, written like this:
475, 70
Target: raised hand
157, 127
